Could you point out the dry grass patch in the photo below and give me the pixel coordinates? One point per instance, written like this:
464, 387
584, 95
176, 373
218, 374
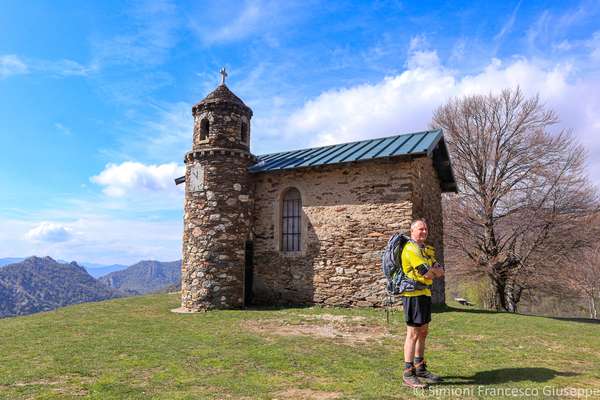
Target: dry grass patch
350, 330
305, 394
64, 385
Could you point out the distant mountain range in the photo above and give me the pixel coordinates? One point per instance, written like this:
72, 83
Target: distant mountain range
41, 284
144, 277
95, 270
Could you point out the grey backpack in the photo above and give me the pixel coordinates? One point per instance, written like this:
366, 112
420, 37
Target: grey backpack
391, 264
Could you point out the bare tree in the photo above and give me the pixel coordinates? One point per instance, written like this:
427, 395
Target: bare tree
590, 280
521, 191
583, 276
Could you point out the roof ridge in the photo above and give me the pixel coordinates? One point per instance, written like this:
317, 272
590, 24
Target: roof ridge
353, 142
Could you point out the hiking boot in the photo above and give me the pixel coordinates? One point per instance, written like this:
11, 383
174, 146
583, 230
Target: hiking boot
429, 377
410, 379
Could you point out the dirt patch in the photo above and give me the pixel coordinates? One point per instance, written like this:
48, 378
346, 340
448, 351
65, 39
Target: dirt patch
305, 394
41, 382
350, 330
334, 318
62, 385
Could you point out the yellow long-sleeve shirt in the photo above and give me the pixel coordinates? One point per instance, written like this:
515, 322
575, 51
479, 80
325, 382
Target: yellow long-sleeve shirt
413, 256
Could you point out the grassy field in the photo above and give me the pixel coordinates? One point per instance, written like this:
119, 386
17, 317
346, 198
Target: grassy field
135, 348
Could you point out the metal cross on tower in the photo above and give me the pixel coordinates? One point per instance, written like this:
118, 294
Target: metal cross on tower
223, 75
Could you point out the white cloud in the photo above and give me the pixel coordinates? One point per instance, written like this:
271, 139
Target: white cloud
405, 102
50, 232
233, 27
246, 22
229, 21
105, 239
594, 45
11, 64
65, 130
133, 178
400, 103
97, 238
65, 67
159, 136
508, 25
169, 135
564, 45
155, 23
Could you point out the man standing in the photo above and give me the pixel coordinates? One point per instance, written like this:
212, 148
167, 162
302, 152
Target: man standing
419, 265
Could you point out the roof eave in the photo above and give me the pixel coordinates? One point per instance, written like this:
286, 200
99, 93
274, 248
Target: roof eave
434, 143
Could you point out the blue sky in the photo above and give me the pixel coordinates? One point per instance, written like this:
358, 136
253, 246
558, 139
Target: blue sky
95, 97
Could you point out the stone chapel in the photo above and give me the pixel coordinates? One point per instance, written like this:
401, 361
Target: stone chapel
303, 226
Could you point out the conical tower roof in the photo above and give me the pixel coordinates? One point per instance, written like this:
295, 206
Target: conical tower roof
222, 96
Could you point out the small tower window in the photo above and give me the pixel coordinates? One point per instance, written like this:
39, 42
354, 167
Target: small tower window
290, 221
204, 125
244, 133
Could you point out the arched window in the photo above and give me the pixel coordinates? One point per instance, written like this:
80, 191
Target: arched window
204, 125
244, 133
290, 220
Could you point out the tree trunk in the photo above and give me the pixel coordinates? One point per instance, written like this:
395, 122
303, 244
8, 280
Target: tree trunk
499, 294
593, 309
513, 296
507, 294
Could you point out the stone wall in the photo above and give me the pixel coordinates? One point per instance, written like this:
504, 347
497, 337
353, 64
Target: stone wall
216, 226
225, 127
349, 212
427, 203
218, 204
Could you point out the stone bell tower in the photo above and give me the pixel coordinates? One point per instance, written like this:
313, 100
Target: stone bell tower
218, 203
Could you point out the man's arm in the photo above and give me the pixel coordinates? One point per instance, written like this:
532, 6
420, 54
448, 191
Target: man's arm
437, 270
415, 265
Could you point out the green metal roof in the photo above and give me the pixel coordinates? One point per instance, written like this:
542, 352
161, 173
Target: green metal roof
419, 144
427, 143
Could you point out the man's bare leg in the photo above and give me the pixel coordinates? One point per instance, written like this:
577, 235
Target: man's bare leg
412, 336
409, 377
420, 343
419, 360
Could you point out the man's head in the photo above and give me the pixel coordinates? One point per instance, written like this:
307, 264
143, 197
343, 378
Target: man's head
418, 231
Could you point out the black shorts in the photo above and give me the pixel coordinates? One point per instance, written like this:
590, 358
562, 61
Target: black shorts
417, 310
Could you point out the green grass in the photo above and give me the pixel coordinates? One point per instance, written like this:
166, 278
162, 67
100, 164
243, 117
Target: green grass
135, 348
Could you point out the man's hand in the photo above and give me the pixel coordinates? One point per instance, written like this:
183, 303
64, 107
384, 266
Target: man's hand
438, 270
430, 274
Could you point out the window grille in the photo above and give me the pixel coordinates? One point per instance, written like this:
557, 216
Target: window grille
291, 215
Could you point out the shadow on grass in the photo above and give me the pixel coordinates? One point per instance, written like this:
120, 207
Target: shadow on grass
441, 308
506, 375
574, 319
